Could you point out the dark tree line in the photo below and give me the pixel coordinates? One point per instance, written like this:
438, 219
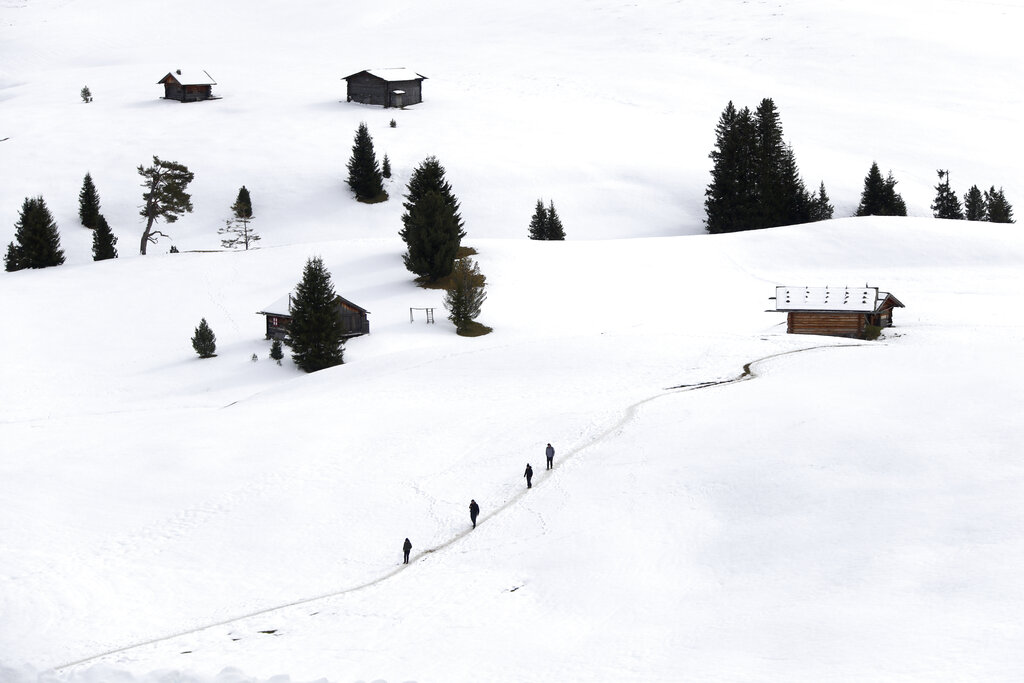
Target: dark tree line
990, 205
755, 182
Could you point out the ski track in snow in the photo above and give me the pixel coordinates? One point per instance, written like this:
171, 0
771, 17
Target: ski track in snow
192, 517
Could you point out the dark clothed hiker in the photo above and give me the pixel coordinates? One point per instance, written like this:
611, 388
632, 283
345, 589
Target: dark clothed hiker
474, 510
529, 476
550, 453
407, 546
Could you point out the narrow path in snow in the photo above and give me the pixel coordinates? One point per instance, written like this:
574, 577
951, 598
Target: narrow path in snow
629, 414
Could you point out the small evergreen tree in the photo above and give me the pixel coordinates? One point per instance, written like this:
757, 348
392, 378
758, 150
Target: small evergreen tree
539, 222
946, 204
88, 203
820, 206
242, 208
37, 241
276, 353
315, 333
465, 294
879, 197
103, 241
974, 205
86, 94
997, 209
204, 341
165, 197
554, 229
173, 250
364, 176
385, 167
432, 228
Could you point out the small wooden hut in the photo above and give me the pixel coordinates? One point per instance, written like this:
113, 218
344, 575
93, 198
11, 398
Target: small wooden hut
354, 320
835, 311
191, 86
386, 87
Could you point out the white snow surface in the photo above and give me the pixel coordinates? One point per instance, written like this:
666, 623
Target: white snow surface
729, 503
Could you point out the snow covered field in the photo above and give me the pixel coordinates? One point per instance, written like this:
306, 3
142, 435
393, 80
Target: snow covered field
850, 512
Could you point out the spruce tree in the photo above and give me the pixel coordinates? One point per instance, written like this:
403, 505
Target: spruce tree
165, 197
103, 241
86, 94
772, 167
36, 236
465, 294
88, 203
997, 209
730, 200
315, 334
242, 208
974, 205
385, 167
554, 229
276, 353
539, 222
821, 207
432, 227
879, 197
364, 176
946, 204
204, 341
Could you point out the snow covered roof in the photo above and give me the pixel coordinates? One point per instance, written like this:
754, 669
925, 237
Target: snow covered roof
391, 75
282, 306
189, 77
853, 299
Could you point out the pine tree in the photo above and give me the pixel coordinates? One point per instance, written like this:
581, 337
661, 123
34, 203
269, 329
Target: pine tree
239, 233
997, 209
103, 241
242, 208
276, 353
730, 200
165, 197
37, 238
432, 225
974, 205
553, 229
465, 294
946, 204
315, 334
821, 208
86, 94
770, 166
385, 167
364, 176
88, 203
539, 222
879, 197
204, 341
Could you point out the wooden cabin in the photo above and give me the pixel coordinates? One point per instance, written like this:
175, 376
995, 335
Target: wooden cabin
386, 87
190, 86
354, 320
853, 312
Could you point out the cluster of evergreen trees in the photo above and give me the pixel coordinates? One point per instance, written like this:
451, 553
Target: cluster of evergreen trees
879, 196
755, 182
545, 224
990, 205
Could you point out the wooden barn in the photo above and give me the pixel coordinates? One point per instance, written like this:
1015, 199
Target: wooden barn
857, 312
354, 320
191, 86
386, 87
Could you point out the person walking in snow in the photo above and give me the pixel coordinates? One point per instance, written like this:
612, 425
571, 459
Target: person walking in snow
474, 510
407, 546
529, 476
550, 453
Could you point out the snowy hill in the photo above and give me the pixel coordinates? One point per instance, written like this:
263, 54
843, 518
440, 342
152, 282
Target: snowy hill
849, 511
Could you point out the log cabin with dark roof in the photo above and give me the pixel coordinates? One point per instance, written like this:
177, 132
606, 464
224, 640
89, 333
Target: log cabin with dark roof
354, 320
385, 87
855, 312
191, 86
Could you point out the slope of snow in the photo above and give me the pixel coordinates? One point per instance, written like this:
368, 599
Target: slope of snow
846, 511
